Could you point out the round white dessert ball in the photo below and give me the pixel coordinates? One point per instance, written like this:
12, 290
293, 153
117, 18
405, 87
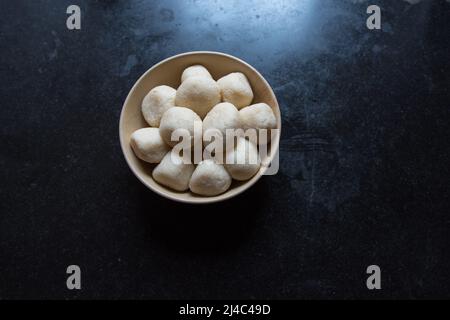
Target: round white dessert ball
148, 145
172, 172
156, 102
243, 162
236, 89
178, 118
209, 179
258, 116
222, 117
195, 71
199, 94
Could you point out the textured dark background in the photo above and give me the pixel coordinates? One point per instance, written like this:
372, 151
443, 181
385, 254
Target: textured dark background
364, 173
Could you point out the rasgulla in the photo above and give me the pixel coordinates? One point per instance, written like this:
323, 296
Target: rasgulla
243, 162
173, 173
209, 179
148, 145
222, 117
156, 102
236, 89
178, 118
199, 94
195, 71
258, 116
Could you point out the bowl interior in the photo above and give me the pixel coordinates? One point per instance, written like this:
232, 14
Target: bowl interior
168, 72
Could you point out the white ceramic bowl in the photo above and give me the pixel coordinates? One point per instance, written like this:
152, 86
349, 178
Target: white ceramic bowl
168, 72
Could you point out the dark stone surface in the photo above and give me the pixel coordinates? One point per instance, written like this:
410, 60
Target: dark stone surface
364, 173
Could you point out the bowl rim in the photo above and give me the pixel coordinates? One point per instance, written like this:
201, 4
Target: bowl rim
220, 197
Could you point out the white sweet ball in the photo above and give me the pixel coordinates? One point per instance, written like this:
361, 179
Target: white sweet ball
222, 117
156, 102
178, 118
173, 174
148, 145
195, 71
236, 89
243, 162
258, 116
209, 179
199, 94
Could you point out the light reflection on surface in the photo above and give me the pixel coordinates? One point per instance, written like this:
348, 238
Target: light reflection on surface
266, 26
259, 27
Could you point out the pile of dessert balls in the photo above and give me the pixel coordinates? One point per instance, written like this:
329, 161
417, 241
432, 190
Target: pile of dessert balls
221, 105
